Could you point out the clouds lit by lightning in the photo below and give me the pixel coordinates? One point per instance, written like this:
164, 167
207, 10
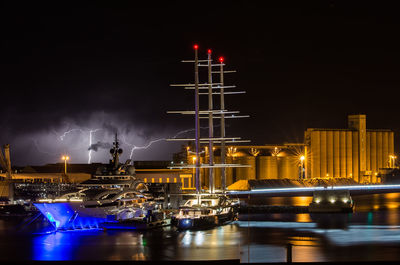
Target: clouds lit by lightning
91, 132
74, 137
77, 143
40, 149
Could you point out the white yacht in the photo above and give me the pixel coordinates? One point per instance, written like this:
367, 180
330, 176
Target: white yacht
113, 193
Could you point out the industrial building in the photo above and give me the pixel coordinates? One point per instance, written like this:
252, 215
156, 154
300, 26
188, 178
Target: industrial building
354, 152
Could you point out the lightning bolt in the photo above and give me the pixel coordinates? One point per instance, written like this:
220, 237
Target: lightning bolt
91, 132
67, 132
90, 143
134, 147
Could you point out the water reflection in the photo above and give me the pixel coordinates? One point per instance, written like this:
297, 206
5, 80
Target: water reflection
377, 202
293, 201
370, 233
331, 220
303, 218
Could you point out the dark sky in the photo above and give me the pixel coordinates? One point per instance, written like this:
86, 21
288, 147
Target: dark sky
108, 66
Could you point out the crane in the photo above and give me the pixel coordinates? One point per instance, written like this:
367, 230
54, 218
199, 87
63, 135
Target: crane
5, 163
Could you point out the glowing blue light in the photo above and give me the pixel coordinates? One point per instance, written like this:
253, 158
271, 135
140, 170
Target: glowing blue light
64, 217
52, 220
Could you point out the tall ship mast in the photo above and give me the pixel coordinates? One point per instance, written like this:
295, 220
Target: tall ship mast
211, 208
211, 88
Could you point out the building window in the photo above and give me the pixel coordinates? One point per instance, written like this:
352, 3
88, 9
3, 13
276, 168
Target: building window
145, 180
152, 180
174, 180
160, 180
167, 180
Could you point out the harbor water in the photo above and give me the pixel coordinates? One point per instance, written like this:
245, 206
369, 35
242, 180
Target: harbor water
371, 233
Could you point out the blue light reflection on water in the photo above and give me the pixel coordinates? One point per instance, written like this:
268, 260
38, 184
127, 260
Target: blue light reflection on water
55, 246
376, 232
60, 245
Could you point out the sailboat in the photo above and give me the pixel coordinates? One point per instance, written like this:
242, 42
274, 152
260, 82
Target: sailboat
210, 209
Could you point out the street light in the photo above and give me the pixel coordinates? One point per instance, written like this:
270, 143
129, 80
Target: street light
301, 166
65, 158
392, 161
194, 158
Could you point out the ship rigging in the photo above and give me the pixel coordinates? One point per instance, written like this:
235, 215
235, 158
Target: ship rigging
212, 207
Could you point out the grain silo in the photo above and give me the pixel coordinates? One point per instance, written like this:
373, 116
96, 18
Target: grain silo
267, 167
288, 167
246, 172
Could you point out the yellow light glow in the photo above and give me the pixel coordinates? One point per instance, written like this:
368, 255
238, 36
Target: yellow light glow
254, 152
302, 158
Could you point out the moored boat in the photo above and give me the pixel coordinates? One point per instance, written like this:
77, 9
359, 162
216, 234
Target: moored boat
151, 219
205, 212
113, 191
328, 201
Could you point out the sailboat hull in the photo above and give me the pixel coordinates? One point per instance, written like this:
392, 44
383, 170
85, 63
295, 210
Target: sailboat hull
203, 222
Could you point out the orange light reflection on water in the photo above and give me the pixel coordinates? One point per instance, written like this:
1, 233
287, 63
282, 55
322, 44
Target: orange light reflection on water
289, 201
303, 218
302, 201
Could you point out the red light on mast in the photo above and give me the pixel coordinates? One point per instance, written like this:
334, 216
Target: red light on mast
221, 59
195, 46
209, 51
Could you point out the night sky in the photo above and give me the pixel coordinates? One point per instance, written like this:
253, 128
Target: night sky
108, 66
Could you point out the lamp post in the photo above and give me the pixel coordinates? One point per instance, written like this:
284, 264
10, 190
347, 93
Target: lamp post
301, 166
392, 160
65, 158
194, 158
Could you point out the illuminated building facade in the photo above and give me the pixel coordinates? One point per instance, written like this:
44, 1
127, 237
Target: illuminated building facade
354, 152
